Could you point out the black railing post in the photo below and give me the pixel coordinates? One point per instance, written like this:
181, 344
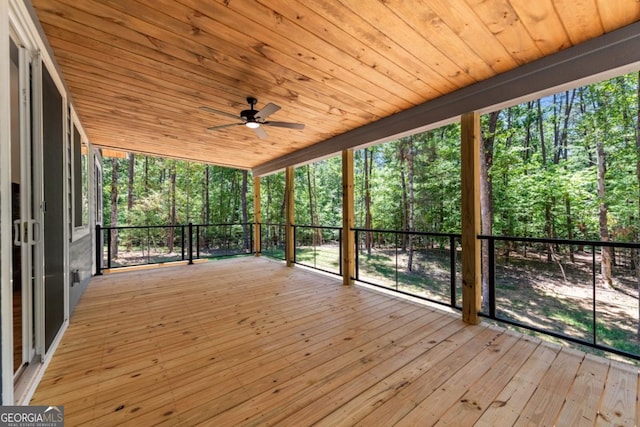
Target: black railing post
492, 278
340, 251
148, 245
295, 233
190, 243
197, 241
251, 238
314, 241
452, 266
109, 247
593, 284
356, 255
395, 235
99, 250
182, 240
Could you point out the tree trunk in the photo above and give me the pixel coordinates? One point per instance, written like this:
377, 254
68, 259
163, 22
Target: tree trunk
188, 191
245, 213
172, 208
311, 206
131, 180
234, 196
206, 212
567, 204
547, 202
130, 194
368, 235
207, 200
114, 208
316, 218
486, 200
405, 201
146, 175
605, 262
410, 173
564, 146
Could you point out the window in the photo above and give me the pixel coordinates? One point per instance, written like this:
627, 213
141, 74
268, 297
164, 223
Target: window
98, 187
80, 180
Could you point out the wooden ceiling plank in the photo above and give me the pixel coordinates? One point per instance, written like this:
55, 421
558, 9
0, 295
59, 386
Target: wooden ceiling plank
281, 62
160, 78
543, 24
282, 65
268, 72
505, 25
466, 24
159, 126
422, 19
145, 138
95, 44
199, 120
141, 124
618, 13
303, 23
212, 154
204, 116
161, 104
154, 126
194, 157
429, 83
157, 91
331, 110
230, 19
580, 18
276, 30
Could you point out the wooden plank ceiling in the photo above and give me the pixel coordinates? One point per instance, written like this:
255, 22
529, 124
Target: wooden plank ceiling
138, 70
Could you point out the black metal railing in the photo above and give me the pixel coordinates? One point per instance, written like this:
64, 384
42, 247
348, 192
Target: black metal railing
318, 247
272, 240
421, 264
139, 245
552, 286
223, 240
558, 287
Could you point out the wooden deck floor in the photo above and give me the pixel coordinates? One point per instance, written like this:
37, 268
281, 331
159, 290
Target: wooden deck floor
251, 342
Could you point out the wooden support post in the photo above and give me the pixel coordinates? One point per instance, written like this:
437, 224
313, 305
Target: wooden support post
289, 201
471, 258
348, 215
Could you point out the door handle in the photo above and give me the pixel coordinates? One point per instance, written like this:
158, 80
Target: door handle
17, 237
34, 237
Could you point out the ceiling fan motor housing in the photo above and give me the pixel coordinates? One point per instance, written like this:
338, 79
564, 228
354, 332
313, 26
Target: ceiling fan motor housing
248, 115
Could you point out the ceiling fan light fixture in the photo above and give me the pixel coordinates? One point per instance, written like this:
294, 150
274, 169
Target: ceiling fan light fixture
252, 125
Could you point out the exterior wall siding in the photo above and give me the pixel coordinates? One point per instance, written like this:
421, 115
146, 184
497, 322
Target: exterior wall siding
80, 262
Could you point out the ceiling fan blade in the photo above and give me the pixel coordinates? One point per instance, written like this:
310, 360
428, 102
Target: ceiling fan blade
222, 113
267, 110
260, 132
285, 125
224, 126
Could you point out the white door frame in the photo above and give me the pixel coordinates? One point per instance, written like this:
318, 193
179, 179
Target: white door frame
6, 286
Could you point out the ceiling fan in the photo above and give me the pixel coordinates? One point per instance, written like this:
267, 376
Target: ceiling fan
253, 119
